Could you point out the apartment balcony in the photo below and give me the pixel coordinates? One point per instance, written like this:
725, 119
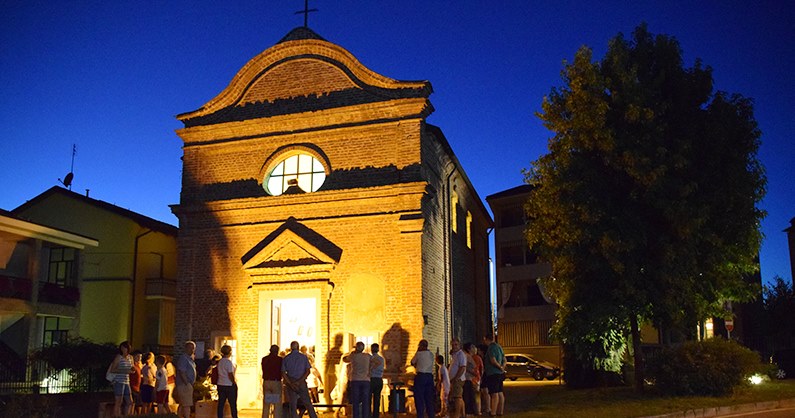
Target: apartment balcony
57, 294
161, 288
524, 272
15, 287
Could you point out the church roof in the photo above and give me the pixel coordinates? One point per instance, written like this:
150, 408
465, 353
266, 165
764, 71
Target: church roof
302, 73
300, 33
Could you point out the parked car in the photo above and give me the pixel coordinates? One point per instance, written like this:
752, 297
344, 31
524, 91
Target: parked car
518, 366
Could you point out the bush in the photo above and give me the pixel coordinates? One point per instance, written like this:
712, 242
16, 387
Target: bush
77, 353
705, 368
83, 359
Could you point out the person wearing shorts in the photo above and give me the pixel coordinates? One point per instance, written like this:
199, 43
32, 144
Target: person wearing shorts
457, 372
161, 388
494, 371
120, 370
148, 382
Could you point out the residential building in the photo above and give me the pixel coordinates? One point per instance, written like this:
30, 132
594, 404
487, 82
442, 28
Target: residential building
524, 315
40, 281
128, 281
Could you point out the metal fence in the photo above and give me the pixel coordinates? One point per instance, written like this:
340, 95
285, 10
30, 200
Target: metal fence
40, 377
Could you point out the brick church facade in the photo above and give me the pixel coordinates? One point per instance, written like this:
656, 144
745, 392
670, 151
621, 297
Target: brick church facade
318, 205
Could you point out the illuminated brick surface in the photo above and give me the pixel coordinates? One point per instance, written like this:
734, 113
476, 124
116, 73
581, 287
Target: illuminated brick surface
373, 247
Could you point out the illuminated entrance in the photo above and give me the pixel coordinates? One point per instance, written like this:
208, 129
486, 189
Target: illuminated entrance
294, 320
290, 315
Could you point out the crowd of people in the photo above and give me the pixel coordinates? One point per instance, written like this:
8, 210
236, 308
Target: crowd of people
470, 385
146, 383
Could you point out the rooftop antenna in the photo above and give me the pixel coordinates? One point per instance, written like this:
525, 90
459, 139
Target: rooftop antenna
67, 180
306, 12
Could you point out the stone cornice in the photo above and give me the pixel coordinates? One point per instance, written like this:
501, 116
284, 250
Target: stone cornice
378, 112
370, 195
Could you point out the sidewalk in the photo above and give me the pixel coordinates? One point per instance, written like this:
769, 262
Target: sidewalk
730, 410
691, 413
321, 413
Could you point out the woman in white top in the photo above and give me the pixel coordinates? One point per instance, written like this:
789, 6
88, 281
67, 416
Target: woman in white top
424, 393
120, 370
227, 384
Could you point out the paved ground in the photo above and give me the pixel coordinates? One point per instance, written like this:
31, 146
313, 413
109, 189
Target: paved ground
523, 388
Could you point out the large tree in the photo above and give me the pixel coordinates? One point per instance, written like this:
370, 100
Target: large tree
779, 310
646, 204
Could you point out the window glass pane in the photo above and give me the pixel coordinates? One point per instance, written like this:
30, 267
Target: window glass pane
279, 170
291, 165
317, 180
305, 164
50, 323
69, 254
317, 167
56, 254
305, 182
275, 185
65, 324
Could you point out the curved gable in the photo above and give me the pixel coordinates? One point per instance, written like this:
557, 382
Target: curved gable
279, 81
297, 76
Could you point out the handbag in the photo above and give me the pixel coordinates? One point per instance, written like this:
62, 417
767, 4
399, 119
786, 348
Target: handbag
110, 376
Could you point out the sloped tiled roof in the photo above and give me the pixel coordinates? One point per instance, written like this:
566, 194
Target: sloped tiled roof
142, 220
518, 190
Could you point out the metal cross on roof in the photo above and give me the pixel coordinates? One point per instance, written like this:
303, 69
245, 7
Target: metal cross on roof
306, 12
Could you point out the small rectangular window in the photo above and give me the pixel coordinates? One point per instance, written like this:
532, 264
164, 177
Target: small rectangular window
469, 229
55, 330
62, 269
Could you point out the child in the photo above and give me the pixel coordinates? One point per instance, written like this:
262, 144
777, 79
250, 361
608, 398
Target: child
162, 385
135, 382
443, 385
148, 382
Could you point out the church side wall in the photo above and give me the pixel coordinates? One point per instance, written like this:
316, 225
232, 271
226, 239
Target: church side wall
468, 310
435, 294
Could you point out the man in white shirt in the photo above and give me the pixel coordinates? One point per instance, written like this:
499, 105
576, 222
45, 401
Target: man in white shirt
359, 381
376, 378
227, 383
457, 369
424, 395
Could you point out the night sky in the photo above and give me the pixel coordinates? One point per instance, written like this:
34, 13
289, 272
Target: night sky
110, 76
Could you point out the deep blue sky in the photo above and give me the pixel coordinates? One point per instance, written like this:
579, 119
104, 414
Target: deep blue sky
110, 76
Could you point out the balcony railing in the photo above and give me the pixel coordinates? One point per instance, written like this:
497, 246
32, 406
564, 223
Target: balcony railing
61, 295
15, 287
161, 287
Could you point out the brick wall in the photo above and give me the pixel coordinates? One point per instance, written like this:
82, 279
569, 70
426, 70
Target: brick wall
384, 203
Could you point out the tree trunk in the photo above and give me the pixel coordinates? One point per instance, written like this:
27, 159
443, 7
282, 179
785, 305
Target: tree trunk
640, 367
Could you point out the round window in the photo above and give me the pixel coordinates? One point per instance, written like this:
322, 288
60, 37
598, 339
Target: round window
301, 170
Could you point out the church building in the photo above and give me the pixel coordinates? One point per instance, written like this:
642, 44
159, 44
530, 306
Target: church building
319, 205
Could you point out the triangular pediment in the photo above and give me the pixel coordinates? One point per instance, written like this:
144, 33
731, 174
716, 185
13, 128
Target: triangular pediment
301, 74
291, 246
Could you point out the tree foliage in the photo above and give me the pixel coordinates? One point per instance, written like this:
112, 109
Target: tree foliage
76, 354
646, 204
779, 307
